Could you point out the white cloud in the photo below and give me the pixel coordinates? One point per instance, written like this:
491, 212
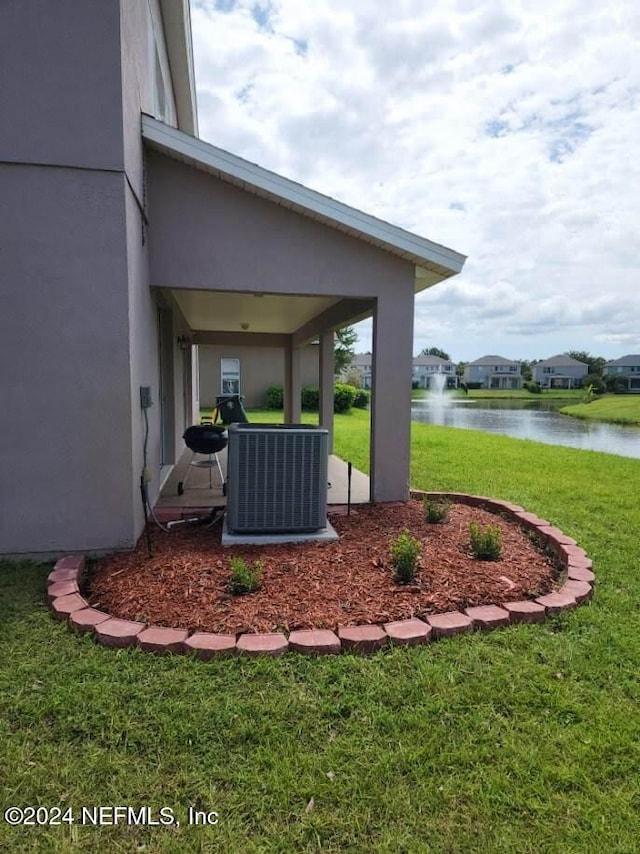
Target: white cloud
506, 130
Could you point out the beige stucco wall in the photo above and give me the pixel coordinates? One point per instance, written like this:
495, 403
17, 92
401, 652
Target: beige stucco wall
209, 235
142, 36
61, 94
65, 455
78, 321
260, 367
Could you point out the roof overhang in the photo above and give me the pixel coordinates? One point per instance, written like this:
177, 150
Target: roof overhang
433, 262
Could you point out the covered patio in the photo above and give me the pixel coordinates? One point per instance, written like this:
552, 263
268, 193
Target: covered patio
198, 494
243, 257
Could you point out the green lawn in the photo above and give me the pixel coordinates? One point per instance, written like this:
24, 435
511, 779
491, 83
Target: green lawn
518, 394
616, 408
522, 740
514, 394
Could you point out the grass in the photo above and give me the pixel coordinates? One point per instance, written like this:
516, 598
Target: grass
522, 740
518, 394
615, 408
513, 394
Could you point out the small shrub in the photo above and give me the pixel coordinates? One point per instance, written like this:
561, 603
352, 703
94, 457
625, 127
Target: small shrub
617, 385
310, 398
435, 510
593, 384
533, 386
275, 397
343, 397
486, 544
244, 578
361, 399
405, 551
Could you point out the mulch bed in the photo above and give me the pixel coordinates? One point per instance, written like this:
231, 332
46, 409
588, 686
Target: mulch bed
320, 585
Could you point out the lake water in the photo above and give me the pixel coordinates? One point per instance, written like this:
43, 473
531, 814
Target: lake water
537, 419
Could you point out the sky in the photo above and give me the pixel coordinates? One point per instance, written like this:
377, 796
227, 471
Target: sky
507, 131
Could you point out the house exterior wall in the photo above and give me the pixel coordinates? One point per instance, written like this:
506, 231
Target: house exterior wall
61, 98
496, 376
66, 447
567, 375
362, 365
146, 87
146, 80
627, 367
211, 235
260, 367
422, 373
78, 321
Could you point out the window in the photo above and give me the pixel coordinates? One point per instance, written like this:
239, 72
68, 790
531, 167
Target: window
230, 376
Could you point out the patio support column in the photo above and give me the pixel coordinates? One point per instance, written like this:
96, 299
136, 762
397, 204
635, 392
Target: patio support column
392, 362
326, 369
292, 387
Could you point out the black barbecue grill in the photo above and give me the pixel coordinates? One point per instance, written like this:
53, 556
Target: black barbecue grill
207, 440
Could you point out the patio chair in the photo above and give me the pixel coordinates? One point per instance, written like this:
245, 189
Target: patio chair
229, 409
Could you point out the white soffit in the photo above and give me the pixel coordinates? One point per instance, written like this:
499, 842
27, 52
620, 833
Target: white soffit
433, 262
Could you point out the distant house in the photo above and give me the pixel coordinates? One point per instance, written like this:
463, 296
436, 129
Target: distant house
361, 364
426, 367
627, 367
560, 372
493, 372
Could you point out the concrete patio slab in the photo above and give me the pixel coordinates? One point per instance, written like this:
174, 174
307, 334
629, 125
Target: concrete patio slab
198, 495
323, 535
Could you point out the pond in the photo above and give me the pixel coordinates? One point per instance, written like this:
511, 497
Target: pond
528, 419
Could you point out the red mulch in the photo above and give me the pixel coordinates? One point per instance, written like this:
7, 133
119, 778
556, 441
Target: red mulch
320, 585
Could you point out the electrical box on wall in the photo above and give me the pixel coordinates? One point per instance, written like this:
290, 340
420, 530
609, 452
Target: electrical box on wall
145, 396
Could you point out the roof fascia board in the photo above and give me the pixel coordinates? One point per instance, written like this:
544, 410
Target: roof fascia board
253, 178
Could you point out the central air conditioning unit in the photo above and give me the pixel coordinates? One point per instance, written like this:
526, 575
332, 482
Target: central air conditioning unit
277, 478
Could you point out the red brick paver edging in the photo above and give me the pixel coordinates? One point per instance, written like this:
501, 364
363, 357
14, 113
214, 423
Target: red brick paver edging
68, 604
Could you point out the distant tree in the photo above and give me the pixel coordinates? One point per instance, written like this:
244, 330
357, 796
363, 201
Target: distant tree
352, 377
596, 363
343, 352
435, 351
526, 370
594, 382
460, 368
